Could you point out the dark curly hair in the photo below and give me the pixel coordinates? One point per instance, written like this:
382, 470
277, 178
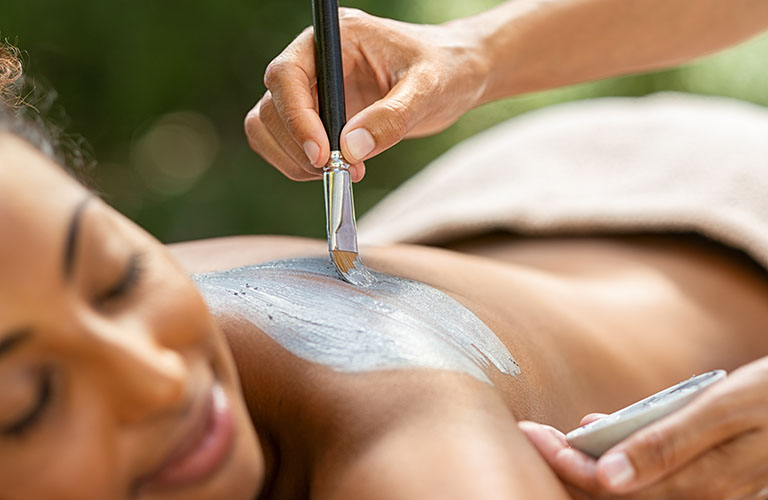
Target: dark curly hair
25, 112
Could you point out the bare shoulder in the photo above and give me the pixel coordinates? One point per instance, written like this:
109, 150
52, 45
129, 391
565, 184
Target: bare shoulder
369, 434
218, 254
463, 430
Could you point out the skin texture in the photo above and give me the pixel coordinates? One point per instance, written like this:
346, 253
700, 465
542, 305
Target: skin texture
407, 80
130, 372
616, 321
726, 445
381, 57
586, 331
719, 436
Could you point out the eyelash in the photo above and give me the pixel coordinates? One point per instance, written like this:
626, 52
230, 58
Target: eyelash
32, 416
129, 281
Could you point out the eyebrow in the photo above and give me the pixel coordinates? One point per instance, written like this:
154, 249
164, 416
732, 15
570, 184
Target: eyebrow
9, 342
72, 232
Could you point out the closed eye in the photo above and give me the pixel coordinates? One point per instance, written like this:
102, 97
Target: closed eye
127, 282
33, 414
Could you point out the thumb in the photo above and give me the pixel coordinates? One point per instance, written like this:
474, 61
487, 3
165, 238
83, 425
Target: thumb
666, 446
382, 124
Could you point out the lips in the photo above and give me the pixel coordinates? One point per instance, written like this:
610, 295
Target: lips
203, 450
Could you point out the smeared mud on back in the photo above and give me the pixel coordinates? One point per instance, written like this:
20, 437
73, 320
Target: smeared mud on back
395, 323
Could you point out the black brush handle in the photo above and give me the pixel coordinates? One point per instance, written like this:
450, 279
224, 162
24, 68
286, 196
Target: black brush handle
330, 73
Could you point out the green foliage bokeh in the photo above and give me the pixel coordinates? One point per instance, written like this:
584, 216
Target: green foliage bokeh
127, 72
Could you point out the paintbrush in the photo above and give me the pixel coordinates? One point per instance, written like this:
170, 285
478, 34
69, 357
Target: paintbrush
339, 204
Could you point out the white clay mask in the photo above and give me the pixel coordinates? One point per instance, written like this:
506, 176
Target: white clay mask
392, 324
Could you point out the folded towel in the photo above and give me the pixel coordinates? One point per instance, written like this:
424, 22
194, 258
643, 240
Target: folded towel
668, 162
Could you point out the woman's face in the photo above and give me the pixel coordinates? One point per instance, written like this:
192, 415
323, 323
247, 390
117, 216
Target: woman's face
115, 383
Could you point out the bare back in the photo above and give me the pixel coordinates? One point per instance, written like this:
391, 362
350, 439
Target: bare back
593, 323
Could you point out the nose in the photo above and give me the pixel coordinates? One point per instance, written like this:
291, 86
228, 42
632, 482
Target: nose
141, 378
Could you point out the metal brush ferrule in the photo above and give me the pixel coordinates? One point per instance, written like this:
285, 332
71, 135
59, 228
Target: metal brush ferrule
336, 161
339, 205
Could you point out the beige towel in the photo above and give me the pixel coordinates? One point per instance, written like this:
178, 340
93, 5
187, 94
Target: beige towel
669, 162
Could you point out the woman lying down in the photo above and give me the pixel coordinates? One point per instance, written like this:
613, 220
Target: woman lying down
265, 376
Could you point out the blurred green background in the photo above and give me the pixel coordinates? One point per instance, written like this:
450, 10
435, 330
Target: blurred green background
160, 88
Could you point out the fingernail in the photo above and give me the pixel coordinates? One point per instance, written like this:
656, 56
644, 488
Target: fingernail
360, 142
617, 468
312, 150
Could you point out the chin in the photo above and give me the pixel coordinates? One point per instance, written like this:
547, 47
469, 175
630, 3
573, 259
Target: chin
240, 478
240, 473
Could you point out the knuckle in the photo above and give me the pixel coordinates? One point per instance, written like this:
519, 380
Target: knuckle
658, 449
272, 75
349, 14
250, 122
293, 122
266, 108
725, 415
397, 119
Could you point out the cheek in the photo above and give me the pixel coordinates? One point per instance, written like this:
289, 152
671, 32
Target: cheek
74, 453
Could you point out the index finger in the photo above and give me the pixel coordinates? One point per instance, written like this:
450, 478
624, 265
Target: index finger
571, 466
592, 417
720, 414
292, 80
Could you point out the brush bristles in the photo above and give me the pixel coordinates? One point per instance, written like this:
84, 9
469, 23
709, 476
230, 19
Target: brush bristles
344, 261
351, 268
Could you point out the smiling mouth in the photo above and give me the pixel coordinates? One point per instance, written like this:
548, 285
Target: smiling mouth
203, 451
